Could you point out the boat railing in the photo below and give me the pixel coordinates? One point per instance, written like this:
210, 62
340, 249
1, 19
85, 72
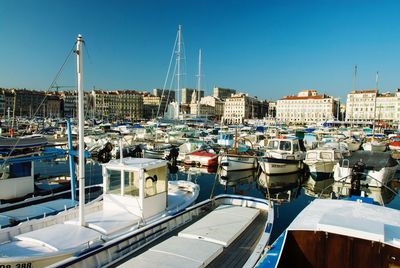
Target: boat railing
345, 163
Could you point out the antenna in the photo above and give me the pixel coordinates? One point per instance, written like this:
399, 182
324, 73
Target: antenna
376, 81
355, 77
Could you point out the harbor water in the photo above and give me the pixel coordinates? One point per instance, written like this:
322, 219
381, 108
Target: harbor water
291, 193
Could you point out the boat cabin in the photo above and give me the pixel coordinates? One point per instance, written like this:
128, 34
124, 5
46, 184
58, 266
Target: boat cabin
137, 185
16, 180
284, 145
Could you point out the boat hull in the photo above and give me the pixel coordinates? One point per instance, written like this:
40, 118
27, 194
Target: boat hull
274, 166
374, 178
236, 163
320, 170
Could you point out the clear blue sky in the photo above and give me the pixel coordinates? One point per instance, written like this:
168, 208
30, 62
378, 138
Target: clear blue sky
266, 48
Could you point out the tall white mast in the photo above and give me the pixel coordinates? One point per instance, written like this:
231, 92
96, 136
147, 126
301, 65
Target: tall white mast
178, 58
81, 121
199, 85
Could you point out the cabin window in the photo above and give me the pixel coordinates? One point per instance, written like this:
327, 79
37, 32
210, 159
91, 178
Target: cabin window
326, 155
311, 155
17, 170
285, 146
295, 147
273, 145
131, 184
114, 181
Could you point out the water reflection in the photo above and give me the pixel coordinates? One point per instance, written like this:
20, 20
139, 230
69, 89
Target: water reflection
282, 188
330, 189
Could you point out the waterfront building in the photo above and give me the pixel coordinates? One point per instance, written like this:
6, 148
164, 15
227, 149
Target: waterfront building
53, 103
153, 105
168, 94
27, 102
271, 109
223, 93
117, 103
388, 107
307, 107
188, 94
360, 105
239, 107
9, 98
367, 106
69, 100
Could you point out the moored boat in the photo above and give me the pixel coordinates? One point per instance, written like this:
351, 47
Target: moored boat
283, 155
375, 168
338, 233
243, 230
321, 162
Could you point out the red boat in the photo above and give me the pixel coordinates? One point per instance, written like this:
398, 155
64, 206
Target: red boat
394, 143
201, 158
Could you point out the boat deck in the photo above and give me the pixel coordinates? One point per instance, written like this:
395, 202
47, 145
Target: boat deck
240, 250
199, 245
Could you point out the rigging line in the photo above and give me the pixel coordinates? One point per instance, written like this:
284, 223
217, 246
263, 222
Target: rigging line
41, 103
167, 75
184, 63
170, 87
87, 52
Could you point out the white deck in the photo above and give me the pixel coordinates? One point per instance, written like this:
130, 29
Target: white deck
349, 218
177, 252
109, 222
39, 210
221, 226
199, 244
61, 237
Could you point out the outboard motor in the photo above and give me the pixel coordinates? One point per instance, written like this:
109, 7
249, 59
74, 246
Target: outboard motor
358, 170
173, 155
104, 155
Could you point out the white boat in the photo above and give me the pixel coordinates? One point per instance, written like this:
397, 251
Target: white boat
378, 168
136, 193
338, 233
237, 162
283, 155
224, 229
353, 144
321, 162
375, 146
25, 142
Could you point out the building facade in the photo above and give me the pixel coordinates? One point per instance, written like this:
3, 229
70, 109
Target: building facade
188, 94
360, 105
153, 106
168, 94
124, 104
307, 107
239, 107
223, 93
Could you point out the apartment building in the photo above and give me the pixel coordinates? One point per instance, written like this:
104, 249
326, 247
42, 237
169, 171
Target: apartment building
239, 107
307, 107
223, 93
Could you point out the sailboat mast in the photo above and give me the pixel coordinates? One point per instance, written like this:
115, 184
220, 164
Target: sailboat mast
178, 75
376, 97
81, 124
199, 85
354, 88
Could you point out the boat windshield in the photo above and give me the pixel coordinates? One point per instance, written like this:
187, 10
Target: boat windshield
273, 145
285, 146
